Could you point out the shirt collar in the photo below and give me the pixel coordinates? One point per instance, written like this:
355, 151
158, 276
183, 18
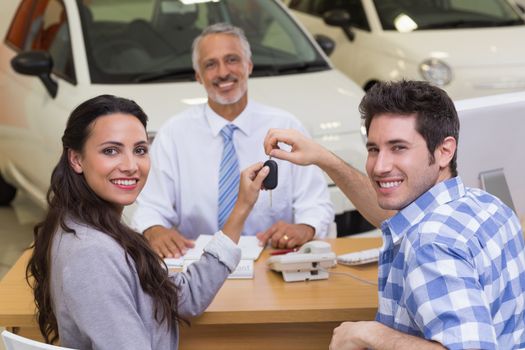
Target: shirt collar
216, 122
441, 193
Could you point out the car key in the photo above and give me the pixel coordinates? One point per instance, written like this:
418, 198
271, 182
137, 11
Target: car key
270, 182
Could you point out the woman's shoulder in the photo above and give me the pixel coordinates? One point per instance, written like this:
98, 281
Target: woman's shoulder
85, 243
89, 261
87, 235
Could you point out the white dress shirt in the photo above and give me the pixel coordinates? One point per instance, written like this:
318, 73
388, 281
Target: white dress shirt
182, 187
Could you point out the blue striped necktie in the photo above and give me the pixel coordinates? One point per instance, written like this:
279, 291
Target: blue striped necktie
229, 175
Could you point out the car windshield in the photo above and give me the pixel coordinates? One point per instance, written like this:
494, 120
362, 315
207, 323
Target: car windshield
139, 41
410, 15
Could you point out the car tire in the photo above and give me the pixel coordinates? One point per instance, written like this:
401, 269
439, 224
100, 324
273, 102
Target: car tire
7, 192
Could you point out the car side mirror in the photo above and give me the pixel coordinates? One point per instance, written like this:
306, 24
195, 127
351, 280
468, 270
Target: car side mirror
326, 43
340, 18
36, 63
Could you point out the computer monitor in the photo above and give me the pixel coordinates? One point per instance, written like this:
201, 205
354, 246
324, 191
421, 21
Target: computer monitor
491, 149
495, 182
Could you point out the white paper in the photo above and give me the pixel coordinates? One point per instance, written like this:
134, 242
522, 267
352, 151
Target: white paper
249, 245
250, 250
243, 271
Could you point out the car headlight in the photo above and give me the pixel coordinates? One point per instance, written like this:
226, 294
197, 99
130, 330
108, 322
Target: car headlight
435, 71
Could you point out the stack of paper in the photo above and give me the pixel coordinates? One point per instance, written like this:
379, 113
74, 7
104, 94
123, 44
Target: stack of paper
243, 271
250, 251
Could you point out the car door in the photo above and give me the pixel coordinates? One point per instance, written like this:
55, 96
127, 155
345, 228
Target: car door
31, 120
352, 53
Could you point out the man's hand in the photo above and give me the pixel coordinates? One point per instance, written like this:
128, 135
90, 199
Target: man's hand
375, 335
167, 243
284, 235
346, 336
305, 151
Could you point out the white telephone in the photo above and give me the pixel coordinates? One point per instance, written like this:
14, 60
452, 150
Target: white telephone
309, 263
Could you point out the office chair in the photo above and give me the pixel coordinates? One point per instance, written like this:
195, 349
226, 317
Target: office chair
16, 342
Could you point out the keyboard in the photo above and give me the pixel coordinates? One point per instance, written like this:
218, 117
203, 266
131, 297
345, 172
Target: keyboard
359, 258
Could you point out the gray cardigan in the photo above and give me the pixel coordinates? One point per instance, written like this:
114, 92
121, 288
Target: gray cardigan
98, 300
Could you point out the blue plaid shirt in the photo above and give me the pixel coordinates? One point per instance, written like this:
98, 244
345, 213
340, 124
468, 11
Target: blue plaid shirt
452, 269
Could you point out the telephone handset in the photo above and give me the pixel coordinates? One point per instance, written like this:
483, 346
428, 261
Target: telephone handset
308, 263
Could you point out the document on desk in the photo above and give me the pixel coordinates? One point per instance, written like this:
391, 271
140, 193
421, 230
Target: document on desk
250, 251
243, 271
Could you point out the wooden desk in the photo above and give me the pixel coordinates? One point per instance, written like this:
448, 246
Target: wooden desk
260, 313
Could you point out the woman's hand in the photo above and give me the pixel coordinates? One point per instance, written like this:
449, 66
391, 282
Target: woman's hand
249, 187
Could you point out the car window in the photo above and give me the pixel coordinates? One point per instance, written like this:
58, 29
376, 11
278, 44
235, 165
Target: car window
409, 15
319, 7
150, 40
42, 25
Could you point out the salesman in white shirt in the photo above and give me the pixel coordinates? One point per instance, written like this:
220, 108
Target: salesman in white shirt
197, 155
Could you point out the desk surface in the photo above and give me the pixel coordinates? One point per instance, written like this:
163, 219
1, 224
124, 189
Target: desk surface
264, 299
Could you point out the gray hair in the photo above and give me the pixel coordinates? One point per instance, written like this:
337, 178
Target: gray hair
219, 28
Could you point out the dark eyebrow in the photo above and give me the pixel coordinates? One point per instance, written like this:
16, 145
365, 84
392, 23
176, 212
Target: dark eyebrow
395, 141
120, 144
112, 143
390, 142
370, 144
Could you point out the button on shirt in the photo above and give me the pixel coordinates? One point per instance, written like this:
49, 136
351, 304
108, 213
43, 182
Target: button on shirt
452, 269
182, 191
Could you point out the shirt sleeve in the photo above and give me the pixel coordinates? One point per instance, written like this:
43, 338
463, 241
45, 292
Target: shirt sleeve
156, 202
445, 299
98, 291
311, 200
203, 279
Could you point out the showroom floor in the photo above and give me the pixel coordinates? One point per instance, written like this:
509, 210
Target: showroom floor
16, 230
16, 233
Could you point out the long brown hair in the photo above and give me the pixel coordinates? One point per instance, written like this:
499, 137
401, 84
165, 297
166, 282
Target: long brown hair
69, 196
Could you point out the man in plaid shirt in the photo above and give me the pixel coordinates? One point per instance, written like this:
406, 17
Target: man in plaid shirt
452, 267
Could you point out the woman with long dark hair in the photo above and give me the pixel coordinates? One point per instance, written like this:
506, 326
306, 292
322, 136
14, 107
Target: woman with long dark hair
97, 283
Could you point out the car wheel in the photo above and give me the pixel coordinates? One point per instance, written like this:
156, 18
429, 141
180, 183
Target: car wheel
7, 192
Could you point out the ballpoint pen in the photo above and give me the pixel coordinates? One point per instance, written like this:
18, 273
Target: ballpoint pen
283, 251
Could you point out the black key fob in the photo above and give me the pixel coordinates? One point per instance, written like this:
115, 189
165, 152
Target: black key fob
270, 182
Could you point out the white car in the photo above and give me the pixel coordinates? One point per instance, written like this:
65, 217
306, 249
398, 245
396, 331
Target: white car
56, 54
520, 4
470, 48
